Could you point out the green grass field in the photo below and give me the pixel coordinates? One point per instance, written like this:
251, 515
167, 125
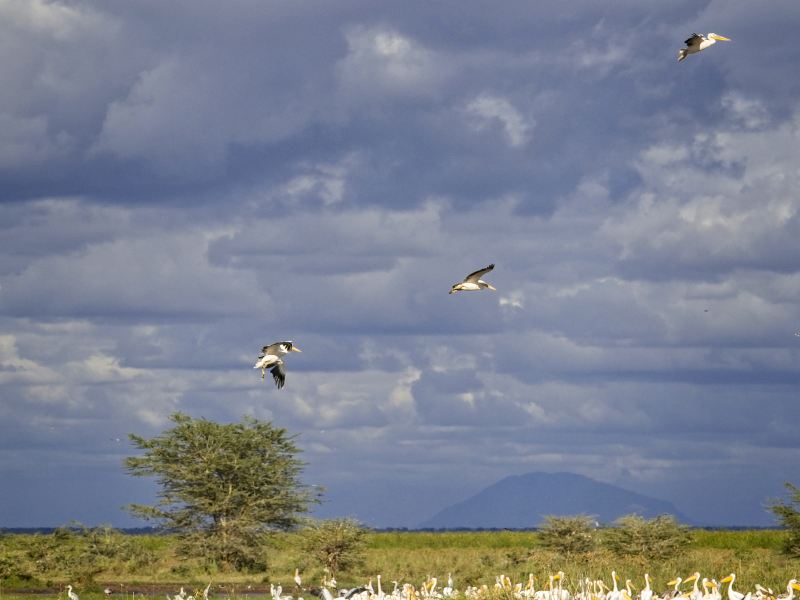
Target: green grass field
148, 564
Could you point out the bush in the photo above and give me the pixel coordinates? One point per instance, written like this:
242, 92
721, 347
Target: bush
336, 544
658, 538
789, 516
82, 552
568, 535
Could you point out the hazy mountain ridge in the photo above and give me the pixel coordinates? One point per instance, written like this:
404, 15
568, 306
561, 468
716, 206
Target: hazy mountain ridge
522, 501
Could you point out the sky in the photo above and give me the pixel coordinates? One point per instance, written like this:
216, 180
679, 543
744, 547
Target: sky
183, 182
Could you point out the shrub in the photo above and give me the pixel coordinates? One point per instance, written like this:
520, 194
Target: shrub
568, 535
79, 551
789, 516
651, 539
336, 544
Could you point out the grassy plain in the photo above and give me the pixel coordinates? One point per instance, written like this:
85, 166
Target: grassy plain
147, 564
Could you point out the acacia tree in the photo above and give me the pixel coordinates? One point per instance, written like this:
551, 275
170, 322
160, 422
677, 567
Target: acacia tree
788, 514
224, 488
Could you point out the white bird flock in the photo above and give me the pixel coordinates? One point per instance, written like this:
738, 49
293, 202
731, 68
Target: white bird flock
554, 589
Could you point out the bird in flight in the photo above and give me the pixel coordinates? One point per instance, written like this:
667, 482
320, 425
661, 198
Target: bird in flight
270, 360
697, 42
473, 282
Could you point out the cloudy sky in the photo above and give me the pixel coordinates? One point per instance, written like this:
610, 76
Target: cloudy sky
182, 182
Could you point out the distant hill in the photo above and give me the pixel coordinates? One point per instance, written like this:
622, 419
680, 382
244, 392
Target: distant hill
522, 501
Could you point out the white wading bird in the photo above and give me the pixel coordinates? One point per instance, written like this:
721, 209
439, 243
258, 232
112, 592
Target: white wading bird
473, 282
790, 588
72, 595
699, 42
270, 360
732, 594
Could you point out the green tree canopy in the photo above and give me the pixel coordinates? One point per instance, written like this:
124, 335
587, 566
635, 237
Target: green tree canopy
788, 514
223, 487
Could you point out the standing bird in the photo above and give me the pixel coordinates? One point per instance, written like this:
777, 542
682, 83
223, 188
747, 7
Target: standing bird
699, 42
733, 594
270, 360
72, 595
790, 588
473, 282
647, 591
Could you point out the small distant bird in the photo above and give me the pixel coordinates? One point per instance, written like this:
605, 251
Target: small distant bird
473, 282
698, 42
297, 579
270, 360
107, 592
72, 595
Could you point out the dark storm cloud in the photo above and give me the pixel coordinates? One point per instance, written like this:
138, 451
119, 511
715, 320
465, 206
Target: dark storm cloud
355, 76
185, 182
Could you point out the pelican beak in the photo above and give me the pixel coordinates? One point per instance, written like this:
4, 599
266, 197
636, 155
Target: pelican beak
557, 575
721, 38
691, 578
296, 349
796, 586
726, 579
673, 582
491, 287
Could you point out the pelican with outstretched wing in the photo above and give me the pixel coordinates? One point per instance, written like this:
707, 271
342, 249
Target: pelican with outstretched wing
271, 360
473, 282
697, 42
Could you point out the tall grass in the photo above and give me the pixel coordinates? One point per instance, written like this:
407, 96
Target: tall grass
473, 558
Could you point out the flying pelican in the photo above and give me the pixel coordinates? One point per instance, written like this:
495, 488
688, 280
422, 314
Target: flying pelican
473, 282
697, 42
270, 360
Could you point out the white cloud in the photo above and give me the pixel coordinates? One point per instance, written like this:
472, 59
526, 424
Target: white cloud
166, 274
57, 20
387, 63
751, 113
704, 213
488, 108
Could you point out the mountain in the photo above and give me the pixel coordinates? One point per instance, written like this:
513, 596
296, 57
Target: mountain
522, 501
